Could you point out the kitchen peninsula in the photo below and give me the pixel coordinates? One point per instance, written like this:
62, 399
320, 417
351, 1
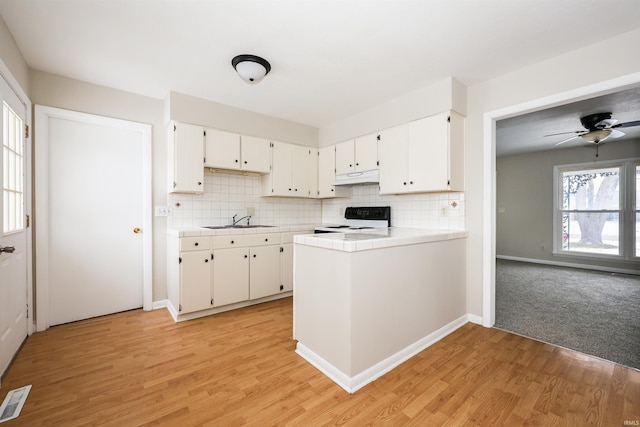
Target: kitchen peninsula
365, 302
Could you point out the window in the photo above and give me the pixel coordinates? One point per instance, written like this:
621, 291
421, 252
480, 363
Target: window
595, 214
13, 171
636, 214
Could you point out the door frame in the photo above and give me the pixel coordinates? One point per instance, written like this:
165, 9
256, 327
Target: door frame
42, 116
5, 73
489, 172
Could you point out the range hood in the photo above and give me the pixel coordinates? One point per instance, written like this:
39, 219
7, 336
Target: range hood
355, 178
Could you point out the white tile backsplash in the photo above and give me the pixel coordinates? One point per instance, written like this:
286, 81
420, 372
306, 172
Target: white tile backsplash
407, 210
227, 194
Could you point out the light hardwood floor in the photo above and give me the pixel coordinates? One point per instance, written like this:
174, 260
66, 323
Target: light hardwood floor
239, 368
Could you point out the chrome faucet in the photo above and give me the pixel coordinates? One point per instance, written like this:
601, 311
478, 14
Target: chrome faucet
234, 221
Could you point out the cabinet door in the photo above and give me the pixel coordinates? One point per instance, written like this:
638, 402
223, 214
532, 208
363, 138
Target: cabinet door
187, 158
195, 281
366, 149
281, 171
345, 157
286, 267
256, 154
221, 149
264, 271
312, 173
393, 153
301, 172
230, 276
429, 153
326, 171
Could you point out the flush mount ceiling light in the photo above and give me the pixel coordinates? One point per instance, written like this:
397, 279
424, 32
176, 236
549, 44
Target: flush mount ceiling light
251, 68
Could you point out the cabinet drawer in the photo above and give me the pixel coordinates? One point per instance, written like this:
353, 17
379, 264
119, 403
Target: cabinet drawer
242, 240
195, 243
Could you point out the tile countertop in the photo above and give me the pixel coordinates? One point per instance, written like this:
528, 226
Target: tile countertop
377, 239
199, 231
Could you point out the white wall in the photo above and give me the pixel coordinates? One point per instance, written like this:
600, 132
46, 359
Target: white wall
524, 184
533, 85
12, 57
189, 109
445, 95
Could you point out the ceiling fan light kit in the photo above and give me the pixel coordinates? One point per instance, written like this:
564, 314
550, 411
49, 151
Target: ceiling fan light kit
599, 127
251, 68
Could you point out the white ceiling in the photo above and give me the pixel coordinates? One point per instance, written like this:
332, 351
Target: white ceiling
330, 59
526, 133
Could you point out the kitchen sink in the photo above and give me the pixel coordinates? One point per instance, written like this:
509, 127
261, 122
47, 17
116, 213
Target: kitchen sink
220, 227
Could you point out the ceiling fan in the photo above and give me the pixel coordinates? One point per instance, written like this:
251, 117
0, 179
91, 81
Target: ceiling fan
599, 126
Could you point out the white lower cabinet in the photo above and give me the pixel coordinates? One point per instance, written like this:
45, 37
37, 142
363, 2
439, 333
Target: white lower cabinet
195, 274
230, 276
286, 267
208, 274
264, 271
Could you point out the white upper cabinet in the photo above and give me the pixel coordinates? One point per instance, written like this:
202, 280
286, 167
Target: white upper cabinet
327, 175
366, 152
426, 155
255, 154
394, 154
357, 155
291, 171
221, 149
186, 158
227, 150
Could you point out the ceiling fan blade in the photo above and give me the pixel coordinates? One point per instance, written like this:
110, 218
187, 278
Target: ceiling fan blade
616, 133
606, 123
563, 133
626, 124
566, 140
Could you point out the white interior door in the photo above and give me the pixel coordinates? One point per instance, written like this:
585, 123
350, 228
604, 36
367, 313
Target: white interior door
13, 231
93, 216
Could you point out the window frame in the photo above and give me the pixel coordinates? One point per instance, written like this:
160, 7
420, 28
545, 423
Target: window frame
19, 153
626, 220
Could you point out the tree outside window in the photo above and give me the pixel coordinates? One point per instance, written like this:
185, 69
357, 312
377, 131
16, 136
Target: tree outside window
591, 210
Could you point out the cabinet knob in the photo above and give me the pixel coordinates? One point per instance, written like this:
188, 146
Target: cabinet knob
232, 242
196, 244
404, 183
246, 256
411, 182
254, 255
281, 287
357, 164
206, 260
266, 240
199, 183
350, 165
289, 189
245, 162
332, 189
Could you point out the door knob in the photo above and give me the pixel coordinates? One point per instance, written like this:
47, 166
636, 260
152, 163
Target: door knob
7, 249
137, 230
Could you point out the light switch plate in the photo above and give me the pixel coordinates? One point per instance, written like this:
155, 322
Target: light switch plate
163, 211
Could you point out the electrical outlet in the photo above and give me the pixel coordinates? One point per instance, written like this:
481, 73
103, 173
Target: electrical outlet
251, 211
163, 211
443, 211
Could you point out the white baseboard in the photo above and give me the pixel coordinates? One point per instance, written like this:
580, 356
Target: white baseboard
353, 384
474, 318
160, 304
570, 264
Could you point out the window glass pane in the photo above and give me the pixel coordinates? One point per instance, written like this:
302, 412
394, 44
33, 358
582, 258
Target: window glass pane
593, 189
637, 189
12, 171
591, 232
637, 234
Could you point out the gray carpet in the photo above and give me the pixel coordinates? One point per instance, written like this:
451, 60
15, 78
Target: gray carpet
593, 312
